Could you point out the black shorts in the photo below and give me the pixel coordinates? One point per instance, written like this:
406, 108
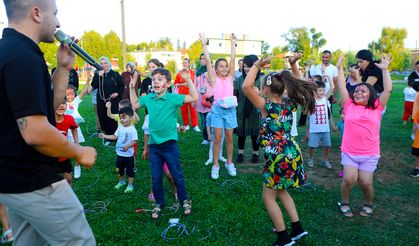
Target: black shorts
415, 151
125, 165
65, 166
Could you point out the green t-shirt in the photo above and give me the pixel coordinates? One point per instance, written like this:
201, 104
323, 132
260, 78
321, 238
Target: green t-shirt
162, 115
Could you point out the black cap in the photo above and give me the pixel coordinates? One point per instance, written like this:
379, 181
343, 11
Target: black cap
127, 111
365, 55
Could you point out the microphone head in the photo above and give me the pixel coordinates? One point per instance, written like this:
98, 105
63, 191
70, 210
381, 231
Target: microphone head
62, 37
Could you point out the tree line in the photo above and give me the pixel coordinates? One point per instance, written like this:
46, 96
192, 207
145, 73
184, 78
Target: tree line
307, 41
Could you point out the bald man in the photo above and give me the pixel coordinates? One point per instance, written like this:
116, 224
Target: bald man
42, 207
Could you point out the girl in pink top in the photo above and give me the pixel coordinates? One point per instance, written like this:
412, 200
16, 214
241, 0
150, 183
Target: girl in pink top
223, 111
361, 136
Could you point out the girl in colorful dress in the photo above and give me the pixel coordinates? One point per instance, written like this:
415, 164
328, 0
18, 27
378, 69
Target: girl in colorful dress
284, 164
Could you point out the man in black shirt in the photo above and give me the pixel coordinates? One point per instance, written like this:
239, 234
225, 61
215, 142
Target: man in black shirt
414, 76
36, 196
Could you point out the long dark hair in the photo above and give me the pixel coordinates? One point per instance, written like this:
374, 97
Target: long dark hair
299, 90
371, 99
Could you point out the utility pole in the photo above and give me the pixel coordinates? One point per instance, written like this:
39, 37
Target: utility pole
124, 48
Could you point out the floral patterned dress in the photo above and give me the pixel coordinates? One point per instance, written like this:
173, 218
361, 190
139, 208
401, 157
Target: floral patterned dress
284, 162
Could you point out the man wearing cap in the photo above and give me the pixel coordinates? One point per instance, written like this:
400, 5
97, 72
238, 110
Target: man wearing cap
370, 73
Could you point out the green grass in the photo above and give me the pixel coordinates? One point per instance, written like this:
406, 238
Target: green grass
235, 215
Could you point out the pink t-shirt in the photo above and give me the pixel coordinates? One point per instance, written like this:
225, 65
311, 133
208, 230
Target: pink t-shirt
361, 134
223, 88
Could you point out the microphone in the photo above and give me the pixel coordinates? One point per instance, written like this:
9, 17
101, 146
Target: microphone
64, 38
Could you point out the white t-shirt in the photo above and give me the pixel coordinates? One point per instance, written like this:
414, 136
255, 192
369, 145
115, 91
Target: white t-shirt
73, 109
330, 70
409, 94
125, 136
319, 120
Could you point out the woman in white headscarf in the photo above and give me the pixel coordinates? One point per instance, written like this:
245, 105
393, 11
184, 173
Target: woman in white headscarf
110, 89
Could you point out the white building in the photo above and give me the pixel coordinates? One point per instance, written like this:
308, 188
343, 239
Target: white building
142, 57
244, 46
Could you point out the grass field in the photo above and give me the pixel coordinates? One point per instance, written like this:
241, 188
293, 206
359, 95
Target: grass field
232, 213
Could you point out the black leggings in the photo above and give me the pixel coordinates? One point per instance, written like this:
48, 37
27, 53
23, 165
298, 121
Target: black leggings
242, 139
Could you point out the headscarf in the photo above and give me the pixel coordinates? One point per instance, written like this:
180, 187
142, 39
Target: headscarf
201, 69
106, 59
132, 66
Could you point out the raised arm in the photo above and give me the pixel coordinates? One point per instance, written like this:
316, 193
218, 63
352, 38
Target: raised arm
344, 95
293, 60
133, 96
332, 86
233, 39
248, 85
86, 86
388, 86
211, 73
108, 106
193, 95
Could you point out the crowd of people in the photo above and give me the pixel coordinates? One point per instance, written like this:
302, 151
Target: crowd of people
41, 134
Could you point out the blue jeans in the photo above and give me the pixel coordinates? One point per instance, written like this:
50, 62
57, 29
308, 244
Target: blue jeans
159, 154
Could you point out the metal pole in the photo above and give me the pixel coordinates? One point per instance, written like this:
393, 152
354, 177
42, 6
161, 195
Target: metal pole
124, 48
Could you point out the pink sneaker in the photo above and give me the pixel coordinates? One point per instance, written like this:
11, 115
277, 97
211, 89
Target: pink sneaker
340, 174
151, 197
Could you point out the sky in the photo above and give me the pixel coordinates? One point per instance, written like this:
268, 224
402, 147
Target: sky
346, 25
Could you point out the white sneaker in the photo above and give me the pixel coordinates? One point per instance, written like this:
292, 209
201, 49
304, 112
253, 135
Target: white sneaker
77, 172
231, 169
205, 142
215, 172
222, 159
186, 128
196, 129
208, 162
412, 137
107, 143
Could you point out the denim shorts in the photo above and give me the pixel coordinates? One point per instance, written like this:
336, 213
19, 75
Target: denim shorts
315, 138
223, 117
363, 163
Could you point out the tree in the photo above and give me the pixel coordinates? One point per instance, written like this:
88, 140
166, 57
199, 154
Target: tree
277, 62
392, 42
305, 41
164, 43
94, 44
194, 52
50, 53
171, 66
265, 48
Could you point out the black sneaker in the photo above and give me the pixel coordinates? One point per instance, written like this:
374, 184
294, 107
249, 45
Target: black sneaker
279, 243
240, 158
298, 234
255, 158
414, 173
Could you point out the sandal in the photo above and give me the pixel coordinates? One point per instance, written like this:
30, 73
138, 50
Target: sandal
366, 210
187, 207
345, 209
7, 237
156, 212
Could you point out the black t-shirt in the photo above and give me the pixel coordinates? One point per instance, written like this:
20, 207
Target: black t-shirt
413, 77
374, 71
26, 89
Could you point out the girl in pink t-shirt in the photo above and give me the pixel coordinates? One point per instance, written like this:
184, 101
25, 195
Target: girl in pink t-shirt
361, 136
223, 111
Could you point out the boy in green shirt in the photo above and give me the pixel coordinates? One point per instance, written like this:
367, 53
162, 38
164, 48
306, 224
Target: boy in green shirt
162, 107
